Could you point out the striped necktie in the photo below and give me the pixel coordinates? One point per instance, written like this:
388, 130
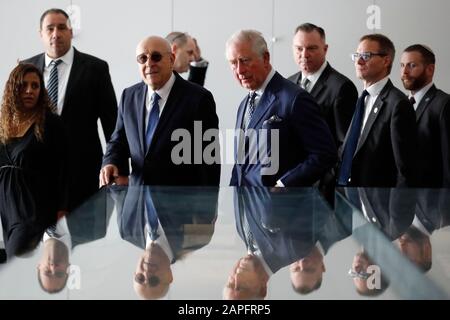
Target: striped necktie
305, 83
250, 109
52, 85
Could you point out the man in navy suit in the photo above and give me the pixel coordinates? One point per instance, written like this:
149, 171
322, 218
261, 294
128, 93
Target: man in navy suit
275, 107
151, 115
85, 94
432, 108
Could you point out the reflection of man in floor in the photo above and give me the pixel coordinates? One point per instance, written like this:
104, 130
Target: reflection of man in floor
167, 230
53, 267
367, 277
306, 273
432, 212
248, 280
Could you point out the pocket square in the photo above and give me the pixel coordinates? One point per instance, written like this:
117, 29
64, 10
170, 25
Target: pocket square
273, 119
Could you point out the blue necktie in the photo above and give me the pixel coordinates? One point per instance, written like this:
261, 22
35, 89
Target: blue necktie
352, 141
152, 121
152, 217
52, 85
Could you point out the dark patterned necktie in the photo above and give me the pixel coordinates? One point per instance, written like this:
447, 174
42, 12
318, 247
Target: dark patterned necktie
52, 85
352, 141
305, 83
250, 109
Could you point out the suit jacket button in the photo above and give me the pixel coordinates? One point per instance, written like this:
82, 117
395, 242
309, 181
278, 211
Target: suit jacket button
349, 179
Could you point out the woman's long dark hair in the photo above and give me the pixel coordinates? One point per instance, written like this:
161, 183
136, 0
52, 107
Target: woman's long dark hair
13, 112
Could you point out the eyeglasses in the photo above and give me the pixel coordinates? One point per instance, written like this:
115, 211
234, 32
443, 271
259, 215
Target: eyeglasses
154, 56
366, 56
359, 274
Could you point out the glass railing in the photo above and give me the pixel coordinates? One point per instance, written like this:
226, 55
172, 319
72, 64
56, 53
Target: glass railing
206, 243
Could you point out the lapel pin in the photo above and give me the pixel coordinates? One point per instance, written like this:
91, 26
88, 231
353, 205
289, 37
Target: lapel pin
375, 110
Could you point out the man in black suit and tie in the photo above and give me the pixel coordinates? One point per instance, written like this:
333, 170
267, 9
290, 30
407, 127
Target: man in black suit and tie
302, 149
379, 149
81, 89
152, 117
432, 108
335, 94
188, 56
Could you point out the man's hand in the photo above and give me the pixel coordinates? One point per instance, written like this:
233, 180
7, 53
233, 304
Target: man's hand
197, 52
108, 174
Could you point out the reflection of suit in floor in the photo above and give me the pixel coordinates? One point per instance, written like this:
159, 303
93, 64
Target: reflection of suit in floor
89, 222
284, 227
433, 208
187, 216
389, 210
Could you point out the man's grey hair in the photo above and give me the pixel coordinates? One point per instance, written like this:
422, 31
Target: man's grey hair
179, 38
259, 45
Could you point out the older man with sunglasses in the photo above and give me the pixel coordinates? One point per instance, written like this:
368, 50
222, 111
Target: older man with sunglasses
152, 117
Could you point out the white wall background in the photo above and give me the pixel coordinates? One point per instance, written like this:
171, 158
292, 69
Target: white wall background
111, 30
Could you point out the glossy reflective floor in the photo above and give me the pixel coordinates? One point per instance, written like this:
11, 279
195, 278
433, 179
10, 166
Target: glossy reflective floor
210, 243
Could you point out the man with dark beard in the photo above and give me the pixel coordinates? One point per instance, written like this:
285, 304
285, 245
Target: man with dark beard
432, 108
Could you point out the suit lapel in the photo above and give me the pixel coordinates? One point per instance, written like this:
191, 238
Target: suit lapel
74, 77
376, 110
263, 106
425, 101
140, 101
40, 63
265, 102
298, 78
321, 82
240, 113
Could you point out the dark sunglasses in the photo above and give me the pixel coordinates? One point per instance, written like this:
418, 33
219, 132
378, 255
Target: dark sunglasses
154, 56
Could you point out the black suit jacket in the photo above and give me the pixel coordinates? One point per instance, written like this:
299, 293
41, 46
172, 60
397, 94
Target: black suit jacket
433, 128
197, 74
89, 96
187, 103
386, 151
336, 96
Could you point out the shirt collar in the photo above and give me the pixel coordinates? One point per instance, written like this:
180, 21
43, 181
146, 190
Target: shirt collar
164, 91
375, 89
67, 58
316, 75
421, 93
269, 77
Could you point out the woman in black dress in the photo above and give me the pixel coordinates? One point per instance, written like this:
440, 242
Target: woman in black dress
32, 160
